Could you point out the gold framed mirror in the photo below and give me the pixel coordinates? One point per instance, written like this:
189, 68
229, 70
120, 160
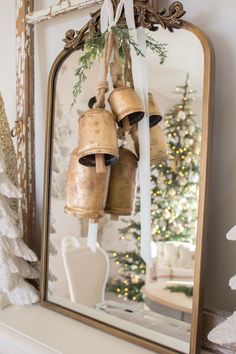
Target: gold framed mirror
153, 307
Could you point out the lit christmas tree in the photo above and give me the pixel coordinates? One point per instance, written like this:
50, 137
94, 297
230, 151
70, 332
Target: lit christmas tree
174, 196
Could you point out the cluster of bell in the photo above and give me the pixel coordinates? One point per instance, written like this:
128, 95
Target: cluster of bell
89, 193
102, 176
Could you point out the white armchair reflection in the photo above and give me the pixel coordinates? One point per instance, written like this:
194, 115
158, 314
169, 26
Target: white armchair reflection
86, 272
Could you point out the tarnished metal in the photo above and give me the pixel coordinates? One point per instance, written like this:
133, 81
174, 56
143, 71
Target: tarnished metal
158, 146
125, 104
121, 192
86, 190
97, 135
155, 115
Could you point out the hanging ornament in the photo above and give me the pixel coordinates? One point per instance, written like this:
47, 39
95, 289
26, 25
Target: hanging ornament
155, 115
86, 190
97, 138
188, 159
158, 146
135, 278
183, 182
126, 105
191, 129
124, 102
166, 214
181, 115
121, 192
98, 143
188, 142
172, 192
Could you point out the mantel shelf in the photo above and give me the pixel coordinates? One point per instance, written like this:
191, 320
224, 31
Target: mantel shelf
34, 329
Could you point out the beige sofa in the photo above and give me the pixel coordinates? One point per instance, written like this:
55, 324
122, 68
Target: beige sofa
173, 264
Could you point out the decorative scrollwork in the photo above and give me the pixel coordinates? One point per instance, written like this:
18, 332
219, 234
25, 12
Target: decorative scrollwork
145, 15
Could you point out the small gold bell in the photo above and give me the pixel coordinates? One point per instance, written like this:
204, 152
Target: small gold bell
97, 136
126, 106
155, 115
86, 190
122, 183
158, 146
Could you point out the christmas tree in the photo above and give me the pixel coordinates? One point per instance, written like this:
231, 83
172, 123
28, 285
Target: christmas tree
174, 196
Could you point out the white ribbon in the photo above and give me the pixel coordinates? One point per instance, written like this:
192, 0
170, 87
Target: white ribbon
139, 70
92, 236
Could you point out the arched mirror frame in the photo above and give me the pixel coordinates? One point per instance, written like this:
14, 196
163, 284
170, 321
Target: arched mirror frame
74, 42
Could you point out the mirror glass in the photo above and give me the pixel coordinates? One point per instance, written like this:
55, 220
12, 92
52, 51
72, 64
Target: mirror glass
114, 285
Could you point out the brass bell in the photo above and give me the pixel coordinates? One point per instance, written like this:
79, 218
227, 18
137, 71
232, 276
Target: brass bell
122, 183
86, 190
97, 138
158, 146
126, 106
155, 115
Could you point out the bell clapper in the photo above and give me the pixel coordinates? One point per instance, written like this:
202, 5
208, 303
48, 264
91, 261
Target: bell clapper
126, 125
100, 163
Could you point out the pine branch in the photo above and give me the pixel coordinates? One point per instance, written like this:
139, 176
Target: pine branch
158, 48
94, 48
187, 290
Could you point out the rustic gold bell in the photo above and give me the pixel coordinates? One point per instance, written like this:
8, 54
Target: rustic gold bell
158, 146
86, 190
97, 136
121, 190
126, 106
155, 115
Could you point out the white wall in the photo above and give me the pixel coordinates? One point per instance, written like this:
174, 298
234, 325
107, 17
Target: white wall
217, 19
7, 58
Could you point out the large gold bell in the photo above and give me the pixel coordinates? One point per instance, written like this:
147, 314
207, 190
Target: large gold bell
122, 183
86, 190
158, 146
125, 104
97, 136
155, 115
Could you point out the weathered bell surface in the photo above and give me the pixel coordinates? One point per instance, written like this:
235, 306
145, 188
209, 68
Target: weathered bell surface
158, 146
121, 192
125, 104
97, 135
155, 115
86, 190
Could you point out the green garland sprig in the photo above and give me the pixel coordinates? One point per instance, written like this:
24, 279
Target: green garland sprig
94, 47
187, 290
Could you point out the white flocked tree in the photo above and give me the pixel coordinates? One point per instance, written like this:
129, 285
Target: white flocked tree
14, 254
225, 332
